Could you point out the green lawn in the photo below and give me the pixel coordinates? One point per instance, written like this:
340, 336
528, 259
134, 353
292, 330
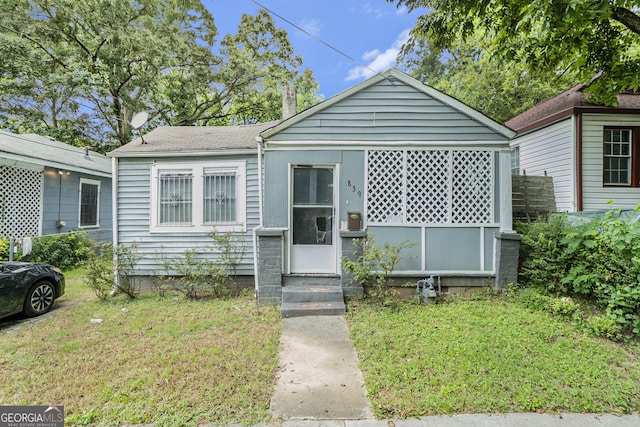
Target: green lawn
168, 361
175, 362
483, 356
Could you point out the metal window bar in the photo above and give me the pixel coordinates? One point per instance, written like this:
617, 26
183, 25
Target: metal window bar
220, 198
176, 201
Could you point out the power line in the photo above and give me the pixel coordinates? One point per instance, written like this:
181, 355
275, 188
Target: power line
318, 39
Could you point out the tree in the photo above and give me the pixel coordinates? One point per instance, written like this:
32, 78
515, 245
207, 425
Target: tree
469, 71
587, 37
79, 69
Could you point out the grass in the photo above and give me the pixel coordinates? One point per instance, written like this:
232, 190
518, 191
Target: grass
487, 356
168, 361
175, 362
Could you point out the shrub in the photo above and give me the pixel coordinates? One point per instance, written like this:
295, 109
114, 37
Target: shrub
66, 251
564, 306
100, 272
4, 249
193, 276
373, 266
603, 326
597, 258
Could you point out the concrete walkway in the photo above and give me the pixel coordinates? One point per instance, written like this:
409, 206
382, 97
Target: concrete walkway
320, 385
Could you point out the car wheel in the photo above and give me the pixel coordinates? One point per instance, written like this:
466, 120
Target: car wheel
39, 299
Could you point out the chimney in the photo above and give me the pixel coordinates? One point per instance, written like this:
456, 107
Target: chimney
289, 102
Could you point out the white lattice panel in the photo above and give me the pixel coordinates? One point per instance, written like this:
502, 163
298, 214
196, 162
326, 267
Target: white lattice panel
385, 186
428, 187
20, 192
472, 187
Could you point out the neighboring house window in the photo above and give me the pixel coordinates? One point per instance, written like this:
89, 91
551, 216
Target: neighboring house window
89, 202
198, 196
618, 152
515, 161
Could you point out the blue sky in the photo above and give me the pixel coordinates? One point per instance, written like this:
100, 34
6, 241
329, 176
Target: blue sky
369, 31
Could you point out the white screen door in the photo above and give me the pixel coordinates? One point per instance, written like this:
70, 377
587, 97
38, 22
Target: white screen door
313, 248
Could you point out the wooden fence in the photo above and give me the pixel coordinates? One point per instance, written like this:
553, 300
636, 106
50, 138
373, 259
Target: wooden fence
533, 196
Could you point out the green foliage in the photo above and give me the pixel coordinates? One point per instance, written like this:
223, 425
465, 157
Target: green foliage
489, 356
585, 37
100, 272
470, 70
66, 251
4, 249
596, 257
543, 257
374, 265
193, 276
79, 69
231, 250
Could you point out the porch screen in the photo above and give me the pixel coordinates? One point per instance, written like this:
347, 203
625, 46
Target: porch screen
430, 187
176, 198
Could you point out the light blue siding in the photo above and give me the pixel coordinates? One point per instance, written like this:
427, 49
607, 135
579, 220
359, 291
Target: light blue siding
453, 249
61, 201
389, 111
134, 216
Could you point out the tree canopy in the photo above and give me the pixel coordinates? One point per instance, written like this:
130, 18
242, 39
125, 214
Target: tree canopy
586, 37
469, 71
79, 69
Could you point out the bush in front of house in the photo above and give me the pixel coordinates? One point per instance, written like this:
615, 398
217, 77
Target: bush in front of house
597, 259
373, 266
66, 251
4, 249
100, 275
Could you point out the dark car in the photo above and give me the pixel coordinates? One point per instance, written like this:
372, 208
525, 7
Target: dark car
29, 288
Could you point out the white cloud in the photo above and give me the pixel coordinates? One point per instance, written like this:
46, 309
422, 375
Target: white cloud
402, 10
377, 61
376, 11
312, 26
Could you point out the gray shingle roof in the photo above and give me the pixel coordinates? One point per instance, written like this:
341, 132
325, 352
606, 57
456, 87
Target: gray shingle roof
45, 151
194, 139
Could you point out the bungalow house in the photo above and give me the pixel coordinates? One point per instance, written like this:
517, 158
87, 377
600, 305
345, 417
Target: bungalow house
591, 151
48, 187
391, 157
397, 159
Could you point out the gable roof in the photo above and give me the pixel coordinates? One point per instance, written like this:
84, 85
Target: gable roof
565, 104
193, 140
394, 76
45, 151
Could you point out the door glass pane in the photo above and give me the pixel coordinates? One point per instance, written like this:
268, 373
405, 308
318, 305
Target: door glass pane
312, 226
312, 186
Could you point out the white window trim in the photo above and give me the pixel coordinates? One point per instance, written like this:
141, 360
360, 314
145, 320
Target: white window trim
198, 170
91, 182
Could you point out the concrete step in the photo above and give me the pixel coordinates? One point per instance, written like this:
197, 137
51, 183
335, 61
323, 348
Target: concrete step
300, 309
311, 293
302, 280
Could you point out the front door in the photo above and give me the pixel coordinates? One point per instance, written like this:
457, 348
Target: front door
313, 248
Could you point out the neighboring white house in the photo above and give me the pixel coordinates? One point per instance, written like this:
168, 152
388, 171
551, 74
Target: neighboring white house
591, 151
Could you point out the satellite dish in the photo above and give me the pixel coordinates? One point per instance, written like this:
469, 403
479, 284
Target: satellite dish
139, 119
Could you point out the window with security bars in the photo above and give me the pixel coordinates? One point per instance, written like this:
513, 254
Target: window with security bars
198, 196
89, 202
430, 186
176, 198
219, 197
